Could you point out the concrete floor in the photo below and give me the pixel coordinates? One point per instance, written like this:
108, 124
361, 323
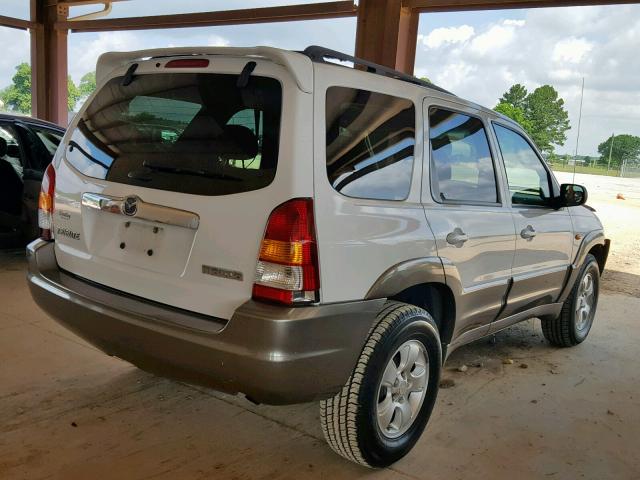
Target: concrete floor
68, 411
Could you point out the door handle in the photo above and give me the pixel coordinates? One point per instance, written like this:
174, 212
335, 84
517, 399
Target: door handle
528, 233
457, 238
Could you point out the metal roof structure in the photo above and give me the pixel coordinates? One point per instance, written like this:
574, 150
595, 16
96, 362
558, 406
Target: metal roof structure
386, 32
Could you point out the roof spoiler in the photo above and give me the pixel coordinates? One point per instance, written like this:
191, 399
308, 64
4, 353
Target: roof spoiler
298, 65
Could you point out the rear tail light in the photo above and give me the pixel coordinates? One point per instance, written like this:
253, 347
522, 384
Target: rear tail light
287, 270
45, 203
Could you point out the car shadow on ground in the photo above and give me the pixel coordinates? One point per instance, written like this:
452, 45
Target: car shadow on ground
614, 281
12, 259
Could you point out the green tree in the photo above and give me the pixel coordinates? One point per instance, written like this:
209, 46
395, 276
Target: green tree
549, 119
73, 94
17, 96
553, 158
625, 148
515, 113
87, 84
516, 96
541, 113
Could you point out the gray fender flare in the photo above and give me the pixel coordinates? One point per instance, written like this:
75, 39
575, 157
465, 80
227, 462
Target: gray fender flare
407, 274
590, 240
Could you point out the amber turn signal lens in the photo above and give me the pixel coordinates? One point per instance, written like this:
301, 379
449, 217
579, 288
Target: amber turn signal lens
288, 253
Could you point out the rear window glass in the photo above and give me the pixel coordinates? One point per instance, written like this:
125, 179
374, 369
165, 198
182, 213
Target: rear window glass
191, 133
370, 143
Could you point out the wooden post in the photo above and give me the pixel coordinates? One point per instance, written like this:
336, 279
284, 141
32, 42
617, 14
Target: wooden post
407, 40
49, 62
387, 33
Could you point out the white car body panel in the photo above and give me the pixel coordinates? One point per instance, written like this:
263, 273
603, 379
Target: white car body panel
359, 239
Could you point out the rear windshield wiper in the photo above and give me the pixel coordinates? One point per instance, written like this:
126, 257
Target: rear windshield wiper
74, 145
180, 171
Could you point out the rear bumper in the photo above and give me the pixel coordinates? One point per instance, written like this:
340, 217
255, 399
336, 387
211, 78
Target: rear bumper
272, 354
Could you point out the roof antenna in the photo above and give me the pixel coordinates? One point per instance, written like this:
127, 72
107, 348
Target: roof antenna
128, 77
575, 157
243, 79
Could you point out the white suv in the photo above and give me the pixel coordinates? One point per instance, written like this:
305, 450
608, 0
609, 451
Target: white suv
268, 222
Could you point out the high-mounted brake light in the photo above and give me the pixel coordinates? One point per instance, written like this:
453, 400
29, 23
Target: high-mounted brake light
188, 63
45, 203
287, 270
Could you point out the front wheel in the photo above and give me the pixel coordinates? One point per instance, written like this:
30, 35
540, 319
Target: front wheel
382, 410
574, 323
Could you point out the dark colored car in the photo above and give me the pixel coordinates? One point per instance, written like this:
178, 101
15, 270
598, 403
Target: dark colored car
27, 146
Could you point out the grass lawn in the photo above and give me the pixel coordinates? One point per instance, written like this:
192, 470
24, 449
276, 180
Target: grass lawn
599, 170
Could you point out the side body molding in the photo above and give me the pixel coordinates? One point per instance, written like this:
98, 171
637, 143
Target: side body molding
407, 274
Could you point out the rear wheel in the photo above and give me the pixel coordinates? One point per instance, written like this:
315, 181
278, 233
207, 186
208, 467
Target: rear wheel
382, 410
574, 323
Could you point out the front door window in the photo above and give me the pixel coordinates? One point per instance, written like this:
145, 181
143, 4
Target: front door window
528, 179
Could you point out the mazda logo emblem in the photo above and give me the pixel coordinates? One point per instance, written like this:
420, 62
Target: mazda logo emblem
130, 206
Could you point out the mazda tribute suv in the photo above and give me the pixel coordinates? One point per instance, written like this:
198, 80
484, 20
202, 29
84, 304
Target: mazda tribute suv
298, 226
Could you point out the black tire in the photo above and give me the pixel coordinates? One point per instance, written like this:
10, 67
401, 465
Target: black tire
349, 420
564, 331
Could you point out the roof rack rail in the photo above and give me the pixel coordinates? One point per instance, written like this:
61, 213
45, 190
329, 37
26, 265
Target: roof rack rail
320, 54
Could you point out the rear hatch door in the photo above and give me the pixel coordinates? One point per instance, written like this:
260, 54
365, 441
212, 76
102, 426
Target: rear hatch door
167, 180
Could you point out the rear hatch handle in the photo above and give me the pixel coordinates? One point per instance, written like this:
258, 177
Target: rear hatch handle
134, 206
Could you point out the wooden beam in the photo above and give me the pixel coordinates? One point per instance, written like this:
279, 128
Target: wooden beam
387, 34
466, 5
48, 63
12, 22
77, 3
407, 40
38, 80
312, 11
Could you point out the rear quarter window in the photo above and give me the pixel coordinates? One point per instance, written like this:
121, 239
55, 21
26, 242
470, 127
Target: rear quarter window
190, 133
370, 143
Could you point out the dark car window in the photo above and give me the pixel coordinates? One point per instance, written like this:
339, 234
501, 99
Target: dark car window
50, 138
11, 173
40, 143
370, 143
192, 133
10, 151
528, 179
462, 168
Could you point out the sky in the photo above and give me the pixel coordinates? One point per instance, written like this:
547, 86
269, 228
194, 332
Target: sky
476, 55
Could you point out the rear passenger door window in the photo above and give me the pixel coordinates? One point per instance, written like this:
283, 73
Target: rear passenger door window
40, 145
49, 139
462, 168
370, 143
528, 179
10, 151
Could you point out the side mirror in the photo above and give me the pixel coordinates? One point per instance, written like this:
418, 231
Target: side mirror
572, 195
